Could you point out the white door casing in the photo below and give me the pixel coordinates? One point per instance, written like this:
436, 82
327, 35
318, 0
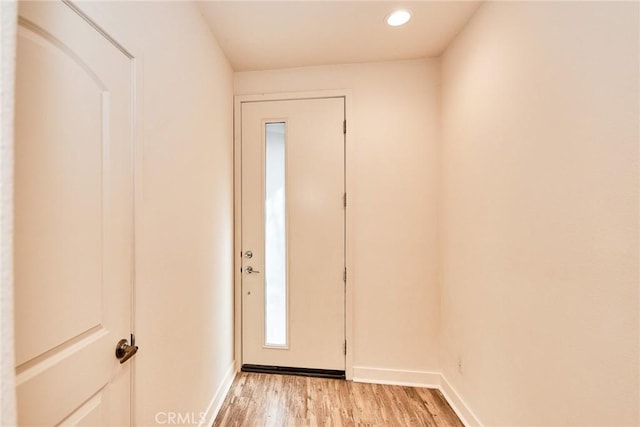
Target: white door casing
73, 219
315, 232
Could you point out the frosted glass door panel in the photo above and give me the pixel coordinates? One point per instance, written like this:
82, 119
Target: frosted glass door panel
275, 237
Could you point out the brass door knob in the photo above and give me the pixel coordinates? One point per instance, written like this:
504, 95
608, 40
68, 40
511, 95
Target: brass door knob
124, 351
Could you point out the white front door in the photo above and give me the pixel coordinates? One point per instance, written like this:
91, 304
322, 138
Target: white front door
293, 234
73, 219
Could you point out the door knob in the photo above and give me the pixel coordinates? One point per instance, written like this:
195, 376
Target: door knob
250, 270
124, 351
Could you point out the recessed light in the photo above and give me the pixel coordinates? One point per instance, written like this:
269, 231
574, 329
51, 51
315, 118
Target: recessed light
399, 17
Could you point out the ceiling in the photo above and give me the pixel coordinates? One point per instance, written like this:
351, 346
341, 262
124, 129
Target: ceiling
261, 35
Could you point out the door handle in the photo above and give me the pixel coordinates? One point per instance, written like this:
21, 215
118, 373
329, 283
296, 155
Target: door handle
250, 270
124, 351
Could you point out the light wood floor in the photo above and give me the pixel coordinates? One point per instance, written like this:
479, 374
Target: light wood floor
284, 400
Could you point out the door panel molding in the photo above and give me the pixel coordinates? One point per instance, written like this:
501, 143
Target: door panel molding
347, 95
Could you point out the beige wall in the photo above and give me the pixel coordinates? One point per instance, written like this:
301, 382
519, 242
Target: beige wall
539, 235
392, 169
184, 290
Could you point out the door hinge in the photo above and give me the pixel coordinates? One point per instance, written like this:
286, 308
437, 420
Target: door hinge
345, 347
344, 127
344, 275
344, 199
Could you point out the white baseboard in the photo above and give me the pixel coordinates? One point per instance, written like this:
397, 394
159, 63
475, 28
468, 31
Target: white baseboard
459, 406
396, 377
218, 396
419, 379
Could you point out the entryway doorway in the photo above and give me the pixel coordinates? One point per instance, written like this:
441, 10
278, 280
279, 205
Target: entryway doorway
292, 235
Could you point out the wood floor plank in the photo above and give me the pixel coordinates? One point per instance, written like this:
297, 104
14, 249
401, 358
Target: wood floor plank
285, 400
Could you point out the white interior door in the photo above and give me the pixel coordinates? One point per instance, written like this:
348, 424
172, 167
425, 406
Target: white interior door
293, 225
73, 220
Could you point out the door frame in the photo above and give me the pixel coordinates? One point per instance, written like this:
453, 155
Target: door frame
347, 94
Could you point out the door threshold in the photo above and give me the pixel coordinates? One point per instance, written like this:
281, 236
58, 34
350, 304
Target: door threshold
288, 370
